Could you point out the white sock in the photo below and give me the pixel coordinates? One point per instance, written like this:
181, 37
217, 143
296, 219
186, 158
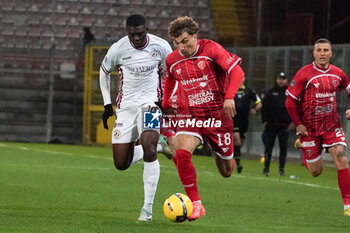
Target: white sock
150, 181
346, 207
138, 154
159, 148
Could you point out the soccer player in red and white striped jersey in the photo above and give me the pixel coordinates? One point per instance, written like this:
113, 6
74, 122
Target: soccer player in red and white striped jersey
208, 77
311, 103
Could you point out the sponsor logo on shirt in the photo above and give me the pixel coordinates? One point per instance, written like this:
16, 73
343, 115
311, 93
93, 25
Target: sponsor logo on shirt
308, 144
193, 80
126, 58
200, 98
324, 109
141, 71
325, 95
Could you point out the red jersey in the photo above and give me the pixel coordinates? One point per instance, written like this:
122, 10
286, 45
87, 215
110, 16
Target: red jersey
315, 90
201, 77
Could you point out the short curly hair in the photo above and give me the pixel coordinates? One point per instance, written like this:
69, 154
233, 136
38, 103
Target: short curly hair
181, 25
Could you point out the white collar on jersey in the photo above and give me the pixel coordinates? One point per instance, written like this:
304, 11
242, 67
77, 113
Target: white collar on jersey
147, 42
320, 70
193, 53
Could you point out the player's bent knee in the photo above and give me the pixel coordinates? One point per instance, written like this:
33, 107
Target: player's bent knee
226, 174
315, 172
121, 167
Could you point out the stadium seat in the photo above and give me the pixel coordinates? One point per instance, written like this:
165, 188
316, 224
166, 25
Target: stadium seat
85, 10
34, 19
7, 6
33, 8
8, 30
73, 9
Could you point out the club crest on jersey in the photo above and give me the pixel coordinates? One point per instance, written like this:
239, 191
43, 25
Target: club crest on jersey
335, 83
225, 149
316, 85
178, 71
201, 65
155, 54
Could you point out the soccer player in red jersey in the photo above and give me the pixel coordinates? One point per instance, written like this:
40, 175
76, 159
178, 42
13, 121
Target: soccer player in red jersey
208, 77
311, 103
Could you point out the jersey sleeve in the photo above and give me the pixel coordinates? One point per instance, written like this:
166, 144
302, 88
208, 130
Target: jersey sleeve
344, 85
108, 64
226, 60
297, 86
110, 61
230, 64
169, 85
166, 50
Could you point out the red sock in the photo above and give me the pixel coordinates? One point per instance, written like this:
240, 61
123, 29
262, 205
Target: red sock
344, 184
187, 174
175, 160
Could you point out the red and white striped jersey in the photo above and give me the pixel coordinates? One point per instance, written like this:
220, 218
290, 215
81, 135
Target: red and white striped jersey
315, 90
138, 71
201, 77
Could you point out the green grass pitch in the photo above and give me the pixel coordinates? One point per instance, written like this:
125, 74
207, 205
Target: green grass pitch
64, 188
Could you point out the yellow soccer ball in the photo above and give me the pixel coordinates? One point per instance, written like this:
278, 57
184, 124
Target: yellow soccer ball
178, 207
262, 159
297, 144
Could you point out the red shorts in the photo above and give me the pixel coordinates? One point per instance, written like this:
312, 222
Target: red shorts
216, 130
312, 146
168, 130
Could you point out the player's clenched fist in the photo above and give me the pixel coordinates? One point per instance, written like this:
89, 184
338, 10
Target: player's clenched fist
347, 114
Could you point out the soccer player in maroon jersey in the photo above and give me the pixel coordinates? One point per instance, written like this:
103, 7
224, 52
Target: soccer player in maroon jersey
208, 77
311, 103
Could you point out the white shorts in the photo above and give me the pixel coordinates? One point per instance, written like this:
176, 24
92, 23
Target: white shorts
131, 122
